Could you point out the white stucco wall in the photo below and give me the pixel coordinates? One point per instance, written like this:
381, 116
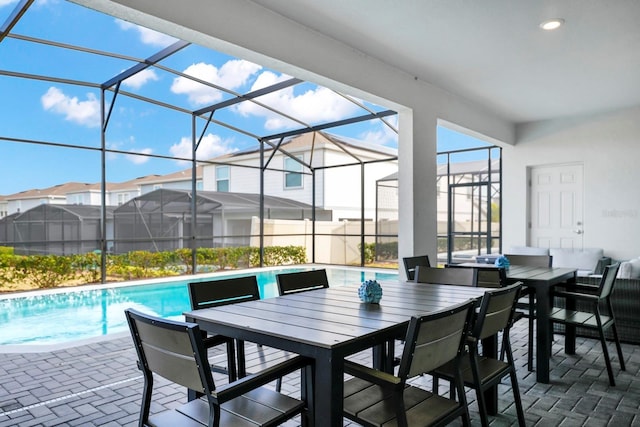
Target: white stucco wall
246, 30
608, 145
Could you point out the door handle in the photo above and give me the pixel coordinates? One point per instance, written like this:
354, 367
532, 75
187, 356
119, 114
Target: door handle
577, 231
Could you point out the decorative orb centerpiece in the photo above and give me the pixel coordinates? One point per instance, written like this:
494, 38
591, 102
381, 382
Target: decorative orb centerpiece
370, 291
502, 261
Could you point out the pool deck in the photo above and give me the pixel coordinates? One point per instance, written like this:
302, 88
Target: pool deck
98, 384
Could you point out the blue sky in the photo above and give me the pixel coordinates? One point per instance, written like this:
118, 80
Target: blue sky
70, 114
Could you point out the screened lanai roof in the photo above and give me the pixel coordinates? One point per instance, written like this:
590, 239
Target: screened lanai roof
179, 202
60, 62
52, 212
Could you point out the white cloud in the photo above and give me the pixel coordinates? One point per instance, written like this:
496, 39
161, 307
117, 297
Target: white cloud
313, 106
210, 146
232, 75
139, 79
86, 113
138, 160
147, 36
384, 135
120, 146
7, 2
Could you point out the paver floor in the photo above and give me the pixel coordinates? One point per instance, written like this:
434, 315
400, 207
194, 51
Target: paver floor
98, 384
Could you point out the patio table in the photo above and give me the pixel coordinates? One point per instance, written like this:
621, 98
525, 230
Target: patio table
328, 325
541, 280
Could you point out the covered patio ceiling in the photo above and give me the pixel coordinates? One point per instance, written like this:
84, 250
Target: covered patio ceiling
491, 52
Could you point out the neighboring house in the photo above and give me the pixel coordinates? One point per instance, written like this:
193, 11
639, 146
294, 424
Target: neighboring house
56, 195
91, 195
292, 179
4, 207
121, 193
75, 193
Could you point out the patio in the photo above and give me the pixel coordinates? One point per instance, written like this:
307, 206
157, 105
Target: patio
98, 384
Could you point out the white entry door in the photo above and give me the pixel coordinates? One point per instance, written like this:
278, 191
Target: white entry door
556, 201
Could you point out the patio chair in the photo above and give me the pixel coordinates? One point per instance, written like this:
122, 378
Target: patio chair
376, 398
175, 351
461, 276
593, 317
530, 260
216, 293
483, 372
491, 277
526, 306
411, 262
291, 283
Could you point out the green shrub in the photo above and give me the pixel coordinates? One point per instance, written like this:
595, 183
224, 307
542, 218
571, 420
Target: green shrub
369, 252
45, 271
279, 255
8, 272
386, 251
87, 266
6, 250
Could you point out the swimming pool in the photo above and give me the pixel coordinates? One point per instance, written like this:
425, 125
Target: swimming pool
63, 316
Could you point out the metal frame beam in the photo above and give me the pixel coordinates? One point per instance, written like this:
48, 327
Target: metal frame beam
14, 17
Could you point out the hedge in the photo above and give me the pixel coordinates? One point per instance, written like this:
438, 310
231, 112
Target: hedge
47, 271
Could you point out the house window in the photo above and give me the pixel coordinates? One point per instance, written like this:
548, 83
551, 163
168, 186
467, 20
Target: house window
293, 175
123, 198
222, 178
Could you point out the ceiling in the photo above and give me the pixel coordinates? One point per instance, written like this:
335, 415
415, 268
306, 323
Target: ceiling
493, 52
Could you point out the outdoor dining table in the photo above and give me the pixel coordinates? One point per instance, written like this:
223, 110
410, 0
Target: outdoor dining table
542, 280
328, 325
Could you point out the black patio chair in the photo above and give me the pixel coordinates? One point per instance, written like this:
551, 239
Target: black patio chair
176, 351
376, 398
301, 281
225, 291
482, 372
461, 276
593, 317
411, 262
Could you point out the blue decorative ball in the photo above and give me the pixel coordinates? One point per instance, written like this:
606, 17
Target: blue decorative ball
502, 261
370, 291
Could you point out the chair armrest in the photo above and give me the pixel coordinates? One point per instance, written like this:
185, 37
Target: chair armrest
581, 288
369, 374
602, 263
576, 296
251, 382
214, 340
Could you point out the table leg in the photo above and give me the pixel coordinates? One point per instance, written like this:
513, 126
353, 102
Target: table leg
543, 333
570, 330
328, 390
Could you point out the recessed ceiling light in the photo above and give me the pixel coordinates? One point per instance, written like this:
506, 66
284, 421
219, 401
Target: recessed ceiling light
552, 24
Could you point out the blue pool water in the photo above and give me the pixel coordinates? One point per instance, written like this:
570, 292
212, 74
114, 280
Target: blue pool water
59, 317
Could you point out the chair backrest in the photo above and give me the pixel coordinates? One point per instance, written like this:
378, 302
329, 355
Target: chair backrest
530, 260
411, 262
435, 339
491, 277
171, 349
463, 276
496, 311
214, 293
608, 280
290, 283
